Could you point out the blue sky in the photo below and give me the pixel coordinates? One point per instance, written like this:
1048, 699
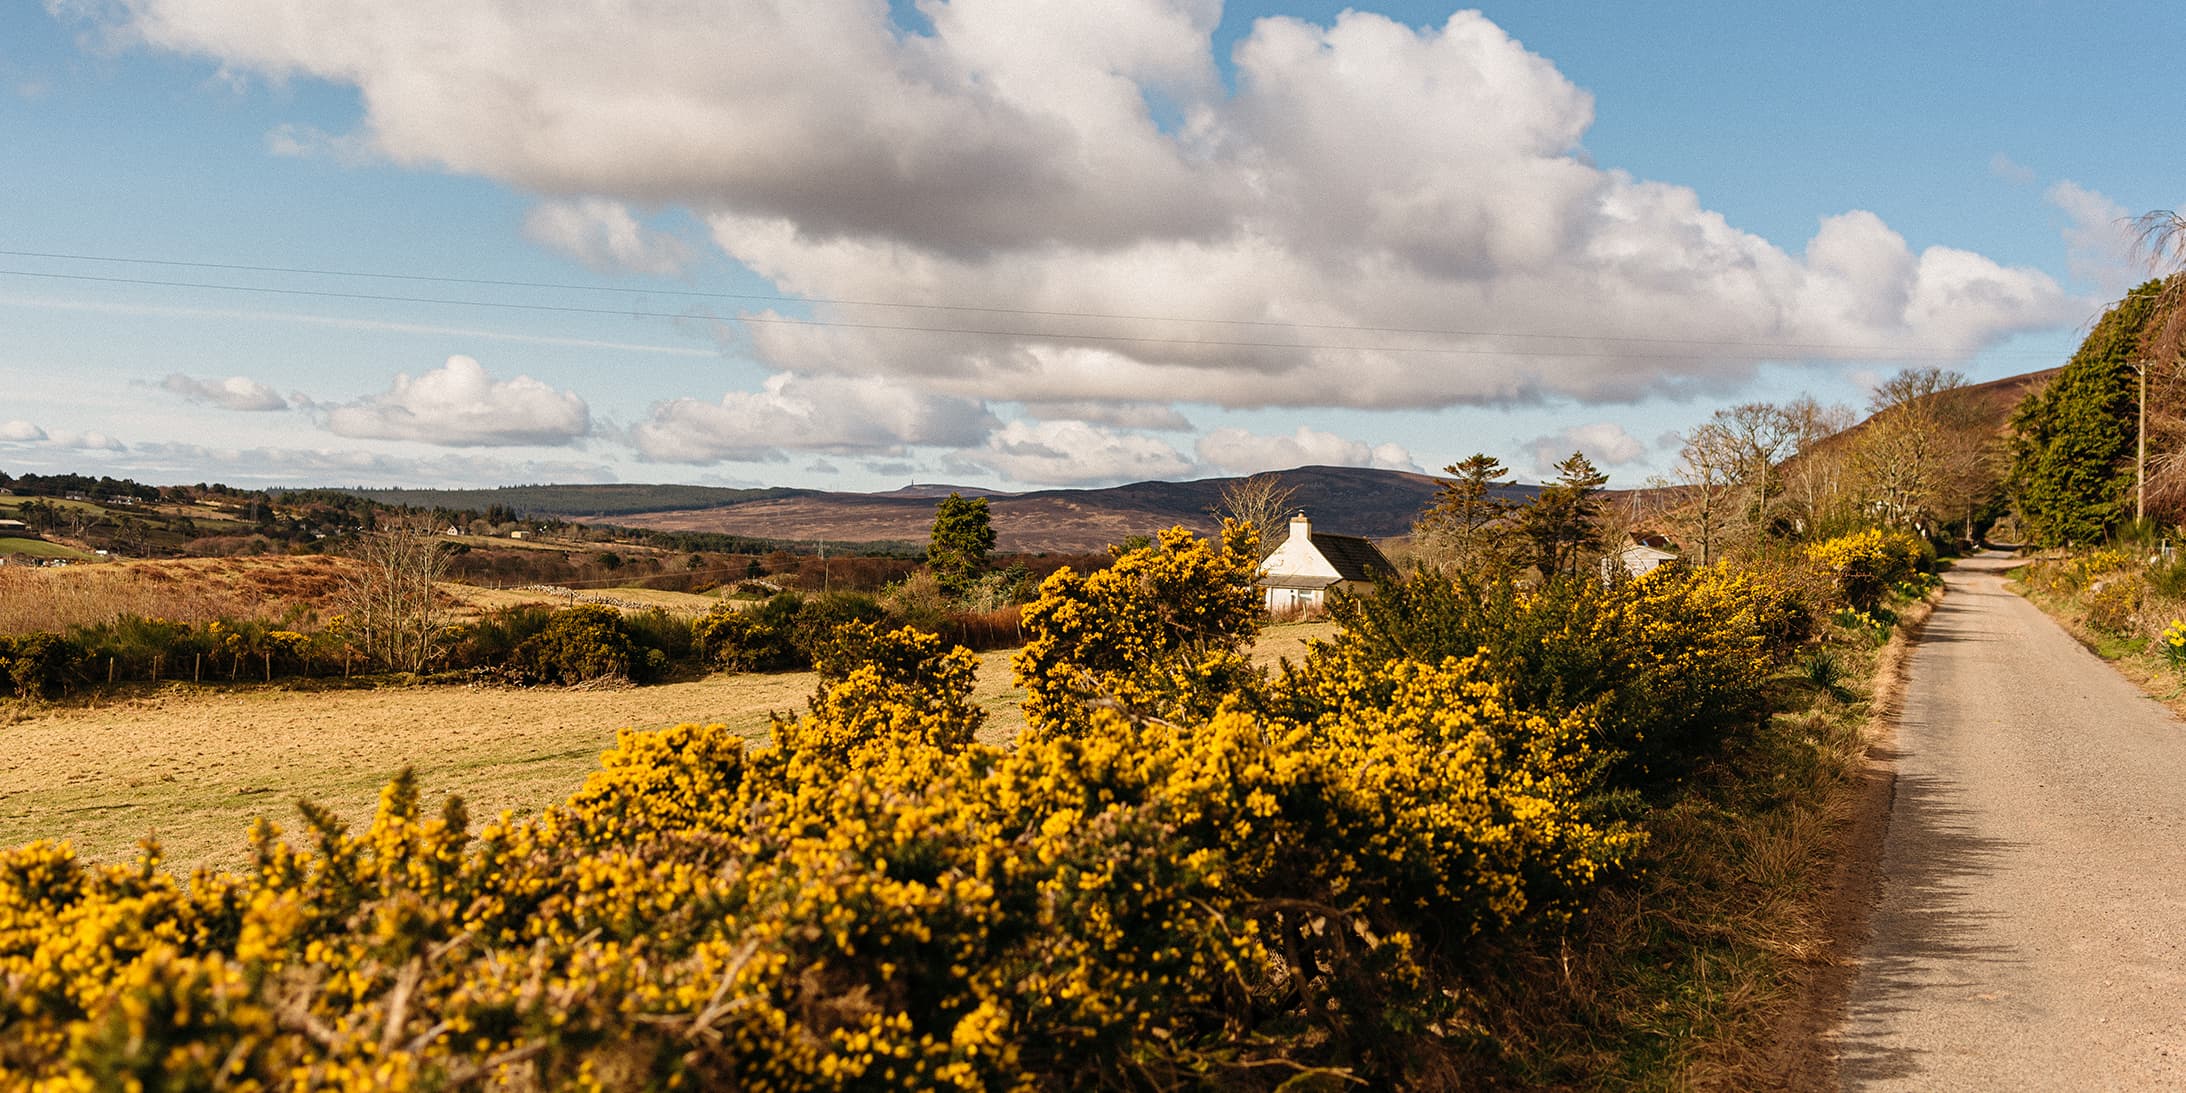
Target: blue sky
1613, 218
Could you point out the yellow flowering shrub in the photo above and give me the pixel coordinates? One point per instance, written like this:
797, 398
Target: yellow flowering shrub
1866, 563
1264, 878
1156, 632
1667, 666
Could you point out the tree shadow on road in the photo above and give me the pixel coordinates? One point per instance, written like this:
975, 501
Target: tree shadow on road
1923, 935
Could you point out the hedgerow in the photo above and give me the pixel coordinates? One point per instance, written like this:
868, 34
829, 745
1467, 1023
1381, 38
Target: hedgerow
1182, 874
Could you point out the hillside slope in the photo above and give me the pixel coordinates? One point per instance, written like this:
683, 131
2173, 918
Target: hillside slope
1353, 500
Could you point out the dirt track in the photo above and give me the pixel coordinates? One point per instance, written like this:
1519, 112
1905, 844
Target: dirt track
2031, 930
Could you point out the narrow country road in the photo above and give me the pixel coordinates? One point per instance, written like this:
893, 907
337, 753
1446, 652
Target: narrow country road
2031, 930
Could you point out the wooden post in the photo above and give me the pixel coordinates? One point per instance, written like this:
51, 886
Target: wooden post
156, 657
197, 668
109, 671
269, 667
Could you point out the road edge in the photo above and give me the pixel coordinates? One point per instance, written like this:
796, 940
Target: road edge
1805, 1053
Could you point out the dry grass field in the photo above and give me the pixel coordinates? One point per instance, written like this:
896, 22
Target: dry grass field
193, 590
195, 765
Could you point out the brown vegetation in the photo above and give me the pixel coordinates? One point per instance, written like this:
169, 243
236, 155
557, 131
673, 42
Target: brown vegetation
195, 590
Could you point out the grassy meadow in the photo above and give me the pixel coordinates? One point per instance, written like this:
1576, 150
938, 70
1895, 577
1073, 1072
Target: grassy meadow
196, 764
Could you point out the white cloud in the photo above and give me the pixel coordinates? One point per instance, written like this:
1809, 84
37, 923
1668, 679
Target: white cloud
461, 405
603, 235
233, 393
826, 414
87, 441
1240, 451
1604, 442
1362, 174
350, 466
2004, 167
1073, 453
1123, 415
2098, 241
21, 432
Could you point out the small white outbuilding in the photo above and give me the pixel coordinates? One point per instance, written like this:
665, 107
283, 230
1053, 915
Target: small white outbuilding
1298, 576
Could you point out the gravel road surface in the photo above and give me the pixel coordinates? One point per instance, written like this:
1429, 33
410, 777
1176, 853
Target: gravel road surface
2033, 897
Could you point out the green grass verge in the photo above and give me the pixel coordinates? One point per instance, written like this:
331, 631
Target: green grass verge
39, 548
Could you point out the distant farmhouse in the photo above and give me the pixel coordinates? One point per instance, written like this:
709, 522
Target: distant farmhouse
1643, 551
1301, 572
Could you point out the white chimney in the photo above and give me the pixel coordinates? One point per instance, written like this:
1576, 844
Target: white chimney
1301, 528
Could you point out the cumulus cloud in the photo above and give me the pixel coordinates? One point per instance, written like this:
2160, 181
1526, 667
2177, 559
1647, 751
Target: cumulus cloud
461, 405
1604, 442
1074, 453
232, 393
1359, 182
86, 441
1241, 451
2098, 241
605, 236
827, 414
21, 432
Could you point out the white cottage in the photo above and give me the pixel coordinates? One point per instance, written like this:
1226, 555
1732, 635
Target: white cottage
1643, 552
1300, 573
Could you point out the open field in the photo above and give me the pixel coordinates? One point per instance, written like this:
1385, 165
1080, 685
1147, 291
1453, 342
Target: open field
195, 765
38, 548
472, 598
193, 590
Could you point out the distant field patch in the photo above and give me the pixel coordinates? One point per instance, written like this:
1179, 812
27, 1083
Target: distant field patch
39, 548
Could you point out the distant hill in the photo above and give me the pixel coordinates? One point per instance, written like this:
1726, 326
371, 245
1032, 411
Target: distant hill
576, 502
1352, 500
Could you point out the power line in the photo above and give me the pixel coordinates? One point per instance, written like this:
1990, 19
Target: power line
1754, 349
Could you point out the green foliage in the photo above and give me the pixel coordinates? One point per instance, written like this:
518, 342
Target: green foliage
39, 665
963, 536
1669, 664
752, 639
782, 633
1559, 523
2073, 441
581, 644
1466, 525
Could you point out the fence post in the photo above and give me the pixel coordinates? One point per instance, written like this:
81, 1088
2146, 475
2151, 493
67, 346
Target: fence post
197, 668
269, 667
110, 671
156, 658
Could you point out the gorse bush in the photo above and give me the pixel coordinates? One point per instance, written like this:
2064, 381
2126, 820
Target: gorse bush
1867, 563
1131, 901
1160, 632
39, 665
1669, 664
582, 644
1182, 874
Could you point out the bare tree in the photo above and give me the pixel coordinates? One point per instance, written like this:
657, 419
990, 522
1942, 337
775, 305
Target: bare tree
1814, 479
2160, 242
1704, 470
389, 606
1757, 435
1926, 454
1261, 501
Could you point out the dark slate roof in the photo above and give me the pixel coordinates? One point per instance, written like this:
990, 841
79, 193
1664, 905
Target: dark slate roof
1357, 559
